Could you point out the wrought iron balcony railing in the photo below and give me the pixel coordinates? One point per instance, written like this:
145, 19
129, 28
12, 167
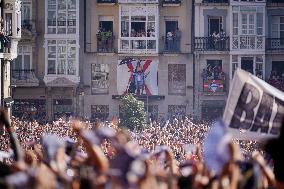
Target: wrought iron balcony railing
211, 43
215, 1
23, 74
106, 1
105, 42
171, 45
275, 44
24, 77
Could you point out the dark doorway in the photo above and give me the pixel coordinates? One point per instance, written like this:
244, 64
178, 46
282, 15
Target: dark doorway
106, 25
247, 64
171, 26
214, 24
278, 67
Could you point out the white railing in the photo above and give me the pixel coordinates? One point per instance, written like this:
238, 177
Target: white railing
138, 46
245, 42
138, 1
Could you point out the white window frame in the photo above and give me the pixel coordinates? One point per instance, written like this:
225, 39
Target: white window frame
130, 11
56, 27
24, 53
27, 3
57, 58
98, 91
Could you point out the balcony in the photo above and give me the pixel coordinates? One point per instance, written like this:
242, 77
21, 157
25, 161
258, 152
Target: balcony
138, 45
105, 43
171, 46
28, 25
248, 42
106, 2
275, 44
168, 3
211, 44
24, 78
139, 1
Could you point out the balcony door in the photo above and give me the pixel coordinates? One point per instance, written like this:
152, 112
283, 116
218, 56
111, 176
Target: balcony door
215, 24
23, 60
278, 67
106, 25
171, 26
247, 64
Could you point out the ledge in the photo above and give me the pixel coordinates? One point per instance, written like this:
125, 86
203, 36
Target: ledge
141, 97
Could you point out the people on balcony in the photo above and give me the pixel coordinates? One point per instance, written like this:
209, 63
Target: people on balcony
215, 73
218, 40
276, 80
173, 40
105, 40
4, 38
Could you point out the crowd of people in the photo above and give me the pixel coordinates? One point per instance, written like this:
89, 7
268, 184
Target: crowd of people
276, 80
176, 153
213, 72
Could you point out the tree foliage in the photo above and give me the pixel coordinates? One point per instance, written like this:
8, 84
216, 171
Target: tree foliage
133, 115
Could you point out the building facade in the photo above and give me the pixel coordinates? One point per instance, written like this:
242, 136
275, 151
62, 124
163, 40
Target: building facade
121, 36
80, 57
10, 34
231, 34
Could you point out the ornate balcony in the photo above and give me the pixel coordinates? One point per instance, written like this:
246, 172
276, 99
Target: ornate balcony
211, 44
105, 43
171, 46
138, 1
171, 3
275, 44
106, 2
24, 78
248, 42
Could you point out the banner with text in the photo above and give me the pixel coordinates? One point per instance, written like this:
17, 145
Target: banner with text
254, 109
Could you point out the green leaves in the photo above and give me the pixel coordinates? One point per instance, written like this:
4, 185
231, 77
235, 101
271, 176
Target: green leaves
132, 112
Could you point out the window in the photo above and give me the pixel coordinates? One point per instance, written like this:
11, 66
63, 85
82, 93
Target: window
26, 11
177, 79
8, 23
62, 107
234, 64
99, 112
248, 23
215, 24
100, 78
235, 24
259, 67
138, 28
278, 29
24, 59
152, 111
61, 17
214, 70
61, 57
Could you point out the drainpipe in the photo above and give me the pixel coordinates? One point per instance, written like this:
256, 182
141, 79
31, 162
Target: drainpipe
192, 51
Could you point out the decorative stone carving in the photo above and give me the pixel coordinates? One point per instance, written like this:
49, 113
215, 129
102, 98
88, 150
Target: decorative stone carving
60, 82
9, 6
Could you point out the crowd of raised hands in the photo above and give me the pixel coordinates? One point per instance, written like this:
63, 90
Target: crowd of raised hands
178, 154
